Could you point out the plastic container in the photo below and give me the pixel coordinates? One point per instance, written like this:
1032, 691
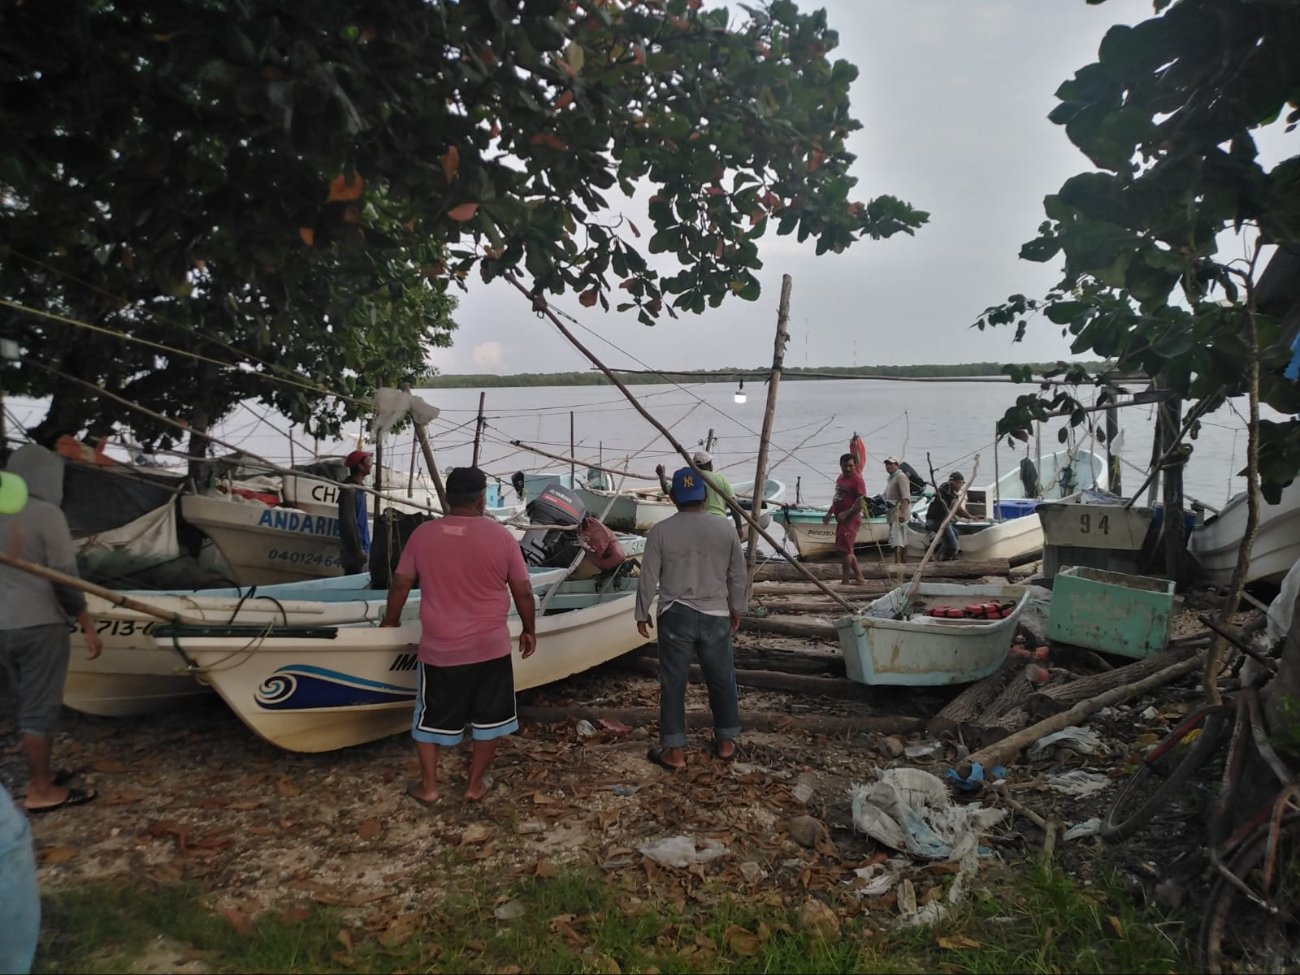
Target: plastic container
1110, 611
1009, 508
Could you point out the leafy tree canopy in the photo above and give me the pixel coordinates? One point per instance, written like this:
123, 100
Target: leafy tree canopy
286, 189
1168, 114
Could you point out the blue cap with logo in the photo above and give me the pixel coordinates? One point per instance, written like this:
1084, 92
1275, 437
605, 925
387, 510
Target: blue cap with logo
688, 487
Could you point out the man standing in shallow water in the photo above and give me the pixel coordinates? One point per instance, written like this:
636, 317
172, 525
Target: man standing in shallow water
469, 568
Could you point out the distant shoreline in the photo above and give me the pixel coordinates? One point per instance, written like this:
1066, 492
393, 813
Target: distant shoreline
970, 372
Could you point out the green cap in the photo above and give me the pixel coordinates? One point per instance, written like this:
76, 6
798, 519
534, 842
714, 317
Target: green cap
13, 493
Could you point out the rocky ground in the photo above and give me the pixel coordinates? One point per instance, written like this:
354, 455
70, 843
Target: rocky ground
197, 796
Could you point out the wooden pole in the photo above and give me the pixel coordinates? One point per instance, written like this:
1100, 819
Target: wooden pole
539, 305
423, 437
111, 595
478, 426
1113, 473
573, 470
379, 473
1175, 541
769, 415
708, 442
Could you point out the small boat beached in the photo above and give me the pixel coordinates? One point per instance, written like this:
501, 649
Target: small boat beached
1096, 530
321, 688
813, 538
1277, 539
896, 641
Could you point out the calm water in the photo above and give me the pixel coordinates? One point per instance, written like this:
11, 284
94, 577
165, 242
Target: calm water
950, 422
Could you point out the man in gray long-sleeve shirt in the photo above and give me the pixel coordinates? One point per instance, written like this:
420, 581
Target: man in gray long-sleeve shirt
693, 563
34, 614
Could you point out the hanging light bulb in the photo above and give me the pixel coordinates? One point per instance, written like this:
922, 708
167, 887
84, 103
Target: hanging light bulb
740, 392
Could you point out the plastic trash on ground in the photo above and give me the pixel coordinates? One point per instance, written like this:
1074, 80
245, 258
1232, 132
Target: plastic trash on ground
681, 851
1089, 827
1073, 739
910, 809
1078, 782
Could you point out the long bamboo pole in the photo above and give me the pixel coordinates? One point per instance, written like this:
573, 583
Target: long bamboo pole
429, 462
111, 595
478, 425
769, 415
540, 306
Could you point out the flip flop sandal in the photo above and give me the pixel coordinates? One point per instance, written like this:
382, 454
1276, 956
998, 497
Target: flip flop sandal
656, 755
735, 752
76, 797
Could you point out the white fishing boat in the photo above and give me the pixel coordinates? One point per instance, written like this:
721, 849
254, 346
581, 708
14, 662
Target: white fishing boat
896, 640
321, 688
1277, 539
812, 538
135, 675
285, 529
639, 509
1005, 525
1096, 530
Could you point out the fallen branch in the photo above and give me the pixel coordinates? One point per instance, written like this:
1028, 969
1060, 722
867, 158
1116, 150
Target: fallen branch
1002, 752
1057, 697
972, 702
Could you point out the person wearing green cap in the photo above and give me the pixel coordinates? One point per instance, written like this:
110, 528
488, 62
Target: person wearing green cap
34, 637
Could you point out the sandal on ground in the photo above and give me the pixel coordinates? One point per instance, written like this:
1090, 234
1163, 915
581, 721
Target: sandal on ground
656, 755
735, 751
76, 797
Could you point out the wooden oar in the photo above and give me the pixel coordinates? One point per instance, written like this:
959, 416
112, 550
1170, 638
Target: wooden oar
112, 596
957, 502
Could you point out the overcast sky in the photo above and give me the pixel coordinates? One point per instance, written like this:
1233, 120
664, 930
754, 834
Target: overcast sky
953, 96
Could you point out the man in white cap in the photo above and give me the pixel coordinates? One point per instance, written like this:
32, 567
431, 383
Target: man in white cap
719, 489
898, 490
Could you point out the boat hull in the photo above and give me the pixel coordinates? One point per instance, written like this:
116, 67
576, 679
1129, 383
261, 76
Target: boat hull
320, 693
1014, 540
922, 651
640, 509
813, 539
1277, 540
264, 544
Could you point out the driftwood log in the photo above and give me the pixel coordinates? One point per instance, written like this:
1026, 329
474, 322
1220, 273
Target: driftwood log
783, 571
821, 724
1002, 752
1055, 698
792, 604
768, 680
808, 628
957, 715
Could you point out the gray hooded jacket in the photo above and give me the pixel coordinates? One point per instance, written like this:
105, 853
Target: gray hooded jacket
26, 599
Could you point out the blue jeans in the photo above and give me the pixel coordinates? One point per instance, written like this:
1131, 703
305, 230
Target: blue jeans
685, 634
20, 902
948, 545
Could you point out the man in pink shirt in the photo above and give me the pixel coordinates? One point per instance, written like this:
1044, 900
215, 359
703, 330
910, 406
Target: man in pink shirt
468, 568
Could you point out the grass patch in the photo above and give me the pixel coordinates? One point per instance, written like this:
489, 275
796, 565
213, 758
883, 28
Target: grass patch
585, 921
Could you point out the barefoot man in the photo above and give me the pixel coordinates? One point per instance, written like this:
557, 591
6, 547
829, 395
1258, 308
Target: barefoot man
468, 568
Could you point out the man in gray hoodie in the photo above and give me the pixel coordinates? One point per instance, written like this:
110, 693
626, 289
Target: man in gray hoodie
34, 614
693, 563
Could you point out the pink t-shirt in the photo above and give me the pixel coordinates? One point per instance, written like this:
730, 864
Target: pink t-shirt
461, 566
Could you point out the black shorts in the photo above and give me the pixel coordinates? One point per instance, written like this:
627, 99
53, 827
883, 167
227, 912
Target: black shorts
480, 695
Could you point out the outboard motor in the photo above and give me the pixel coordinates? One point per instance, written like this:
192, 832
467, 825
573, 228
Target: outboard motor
556, 505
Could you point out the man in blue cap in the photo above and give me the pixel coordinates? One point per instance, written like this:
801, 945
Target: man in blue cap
694, 564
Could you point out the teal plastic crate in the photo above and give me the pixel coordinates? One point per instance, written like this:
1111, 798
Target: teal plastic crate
1110, 611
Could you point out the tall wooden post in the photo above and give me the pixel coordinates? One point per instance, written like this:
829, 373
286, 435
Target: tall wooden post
1113, 478
708, 442
379, 474
769, 414
1175, 541
1158, 447
573, 469
478, 426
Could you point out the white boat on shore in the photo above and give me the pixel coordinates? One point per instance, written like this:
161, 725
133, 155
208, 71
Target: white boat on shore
323, 688
812, 538
896, 641
1005, 525
136, 675
1277, 539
